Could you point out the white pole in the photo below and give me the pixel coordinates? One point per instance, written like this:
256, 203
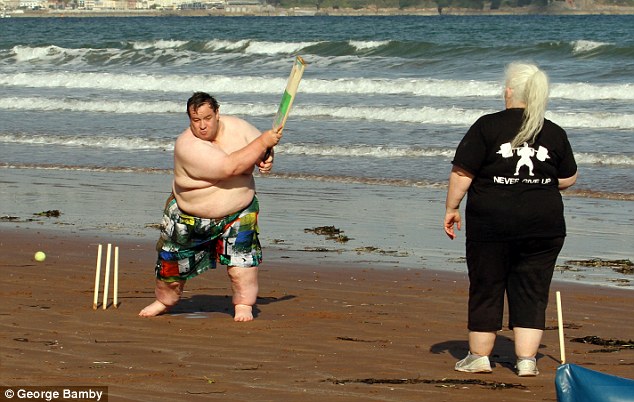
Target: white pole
115, 288
562, 346
106, 279
97, 274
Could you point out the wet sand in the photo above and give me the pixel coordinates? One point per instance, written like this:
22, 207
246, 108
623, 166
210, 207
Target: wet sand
383, 226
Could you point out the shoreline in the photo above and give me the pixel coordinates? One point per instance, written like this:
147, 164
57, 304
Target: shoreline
381, 226
336, 332
555, 9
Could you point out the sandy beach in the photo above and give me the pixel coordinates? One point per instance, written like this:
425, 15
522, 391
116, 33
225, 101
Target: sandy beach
362, 296
336, 333
330, 326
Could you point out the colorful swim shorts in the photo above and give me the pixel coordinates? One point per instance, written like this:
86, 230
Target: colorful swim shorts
189, 245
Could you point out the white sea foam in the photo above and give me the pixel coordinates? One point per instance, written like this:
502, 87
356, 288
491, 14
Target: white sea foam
583, 46
586, 158
118, 107
158, 44
362, 151
96, 141
219, 44
271, 85
286, 148
28, 53
56, 54
390, 114
271, 48
593, 120
421, 115
585, 91
143, 82
364, 45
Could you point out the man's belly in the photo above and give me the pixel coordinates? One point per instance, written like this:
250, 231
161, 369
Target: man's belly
216, 201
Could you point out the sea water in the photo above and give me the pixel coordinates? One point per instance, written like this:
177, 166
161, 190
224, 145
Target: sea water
383, 100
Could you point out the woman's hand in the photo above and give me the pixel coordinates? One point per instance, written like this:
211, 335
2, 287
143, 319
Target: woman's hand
452, 217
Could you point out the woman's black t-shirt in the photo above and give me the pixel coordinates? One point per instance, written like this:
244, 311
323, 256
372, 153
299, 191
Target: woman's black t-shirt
514, 193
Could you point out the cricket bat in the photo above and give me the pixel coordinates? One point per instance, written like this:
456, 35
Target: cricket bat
292, 84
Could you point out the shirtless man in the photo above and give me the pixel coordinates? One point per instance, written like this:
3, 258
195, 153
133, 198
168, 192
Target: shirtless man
211, 214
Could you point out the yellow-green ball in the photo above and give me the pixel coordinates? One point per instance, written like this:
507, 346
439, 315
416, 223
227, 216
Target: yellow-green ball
39, 256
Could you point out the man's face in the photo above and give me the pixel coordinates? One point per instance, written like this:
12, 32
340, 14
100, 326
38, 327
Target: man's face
204, 122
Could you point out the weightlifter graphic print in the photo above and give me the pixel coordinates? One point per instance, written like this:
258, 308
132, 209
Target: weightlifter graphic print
525, 163
525, 152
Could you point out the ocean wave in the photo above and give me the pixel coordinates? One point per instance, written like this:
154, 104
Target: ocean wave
420, 87
424, 115
144, 82
80, 105
84, 168
287, 148
53, 56
582, 158
130, 107
585, 92
362, 151
587, 158
275, 48
159, 44
136, 54
346, 151
96, 141
27, 53
154, 51
586, 46
594, 120
365, 45
225, 45
404, 49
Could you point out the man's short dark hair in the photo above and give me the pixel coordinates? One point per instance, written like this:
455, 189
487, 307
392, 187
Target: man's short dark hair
200, 98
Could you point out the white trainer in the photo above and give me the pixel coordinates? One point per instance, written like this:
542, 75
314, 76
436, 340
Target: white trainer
526, 368
474, 364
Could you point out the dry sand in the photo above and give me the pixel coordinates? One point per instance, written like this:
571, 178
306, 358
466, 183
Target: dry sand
336, 333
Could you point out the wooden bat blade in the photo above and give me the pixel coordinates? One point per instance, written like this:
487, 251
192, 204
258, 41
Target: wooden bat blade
289, 93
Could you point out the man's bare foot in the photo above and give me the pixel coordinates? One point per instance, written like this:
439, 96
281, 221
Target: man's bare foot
154, 309
243, 313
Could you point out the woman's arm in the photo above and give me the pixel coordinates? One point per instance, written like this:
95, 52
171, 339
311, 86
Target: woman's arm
459, 182
568, 181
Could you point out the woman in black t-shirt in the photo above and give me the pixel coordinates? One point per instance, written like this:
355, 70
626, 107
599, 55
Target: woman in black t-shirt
512, 164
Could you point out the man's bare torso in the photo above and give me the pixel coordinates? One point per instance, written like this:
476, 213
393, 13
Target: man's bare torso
200, 186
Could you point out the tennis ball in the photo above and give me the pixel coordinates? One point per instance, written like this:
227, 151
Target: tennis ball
39, 256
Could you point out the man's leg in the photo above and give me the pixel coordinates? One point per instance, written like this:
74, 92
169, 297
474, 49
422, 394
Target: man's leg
244, 284
167, 295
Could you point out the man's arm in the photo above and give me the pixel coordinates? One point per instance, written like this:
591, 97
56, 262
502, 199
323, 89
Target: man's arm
204, 161
243, 160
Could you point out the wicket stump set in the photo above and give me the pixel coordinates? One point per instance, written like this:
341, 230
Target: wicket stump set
106, 279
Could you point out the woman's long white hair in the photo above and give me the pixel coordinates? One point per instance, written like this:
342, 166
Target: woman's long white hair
529, 85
